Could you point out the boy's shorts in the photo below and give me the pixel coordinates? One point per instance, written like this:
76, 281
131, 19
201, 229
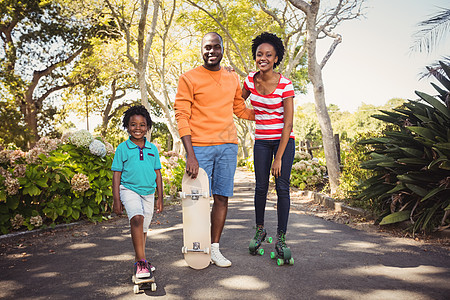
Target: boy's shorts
219, 162
136, 204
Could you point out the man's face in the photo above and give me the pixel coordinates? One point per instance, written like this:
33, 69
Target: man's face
212, 51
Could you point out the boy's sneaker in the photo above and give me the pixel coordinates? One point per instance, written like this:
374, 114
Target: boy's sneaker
217, 257
151, 267
142, 269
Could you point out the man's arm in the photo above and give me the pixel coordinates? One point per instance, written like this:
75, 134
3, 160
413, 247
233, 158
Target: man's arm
191, 159
239, 108
183, 109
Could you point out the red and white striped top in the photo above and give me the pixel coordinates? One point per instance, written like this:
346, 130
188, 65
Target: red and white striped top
269, 108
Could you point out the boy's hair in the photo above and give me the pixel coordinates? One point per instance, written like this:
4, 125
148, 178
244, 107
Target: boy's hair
136, 110
272, 39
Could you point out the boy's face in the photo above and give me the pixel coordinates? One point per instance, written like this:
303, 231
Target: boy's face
137, 127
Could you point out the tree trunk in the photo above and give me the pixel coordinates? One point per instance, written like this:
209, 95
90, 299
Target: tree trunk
315, 75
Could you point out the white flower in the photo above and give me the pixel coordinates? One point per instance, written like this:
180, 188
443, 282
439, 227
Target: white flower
80, 182
17, 221
81, 138
36, 221
97, 148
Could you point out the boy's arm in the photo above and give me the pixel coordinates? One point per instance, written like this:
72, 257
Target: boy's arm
160, 190
117, 204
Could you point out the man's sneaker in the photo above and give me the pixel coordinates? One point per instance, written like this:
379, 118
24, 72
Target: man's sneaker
141, 269
217, 257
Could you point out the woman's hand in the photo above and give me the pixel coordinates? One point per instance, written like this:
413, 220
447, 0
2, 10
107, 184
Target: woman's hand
276, 168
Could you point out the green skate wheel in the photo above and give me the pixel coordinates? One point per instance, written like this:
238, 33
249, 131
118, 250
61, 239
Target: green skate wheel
261, 251
272, 254
252, 246
269, 240
291, 261
287, 253
280, 262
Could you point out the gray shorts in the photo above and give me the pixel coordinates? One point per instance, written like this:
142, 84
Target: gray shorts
136, 204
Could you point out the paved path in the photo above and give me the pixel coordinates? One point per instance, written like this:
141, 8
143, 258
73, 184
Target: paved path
332, 261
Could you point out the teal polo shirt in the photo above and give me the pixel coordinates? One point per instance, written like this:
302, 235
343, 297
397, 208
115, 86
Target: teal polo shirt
138, 166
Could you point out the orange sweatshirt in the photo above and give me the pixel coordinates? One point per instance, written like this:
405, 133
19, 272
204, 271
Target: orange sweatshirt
205, 103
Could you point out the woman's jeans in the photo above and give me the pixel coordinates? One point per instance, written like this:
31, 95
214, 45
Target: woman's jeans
264, 152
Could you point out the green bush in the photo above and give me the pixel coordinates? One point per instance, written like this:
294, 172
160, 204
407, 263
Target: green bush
58, 181
412, 162
173, 168
352, 176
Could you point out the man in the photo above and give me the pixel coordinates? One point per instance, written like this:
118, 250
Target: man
206, 98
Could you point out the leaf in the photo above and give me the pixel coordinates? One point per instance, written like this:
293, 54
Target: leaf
422, 131
412, 161
32, 190
432, 193
396, 217
417, 189
445, 165
435, 103
12, 203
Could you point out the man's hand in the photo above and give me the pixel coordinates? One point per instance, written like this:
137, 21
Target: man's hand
192, 166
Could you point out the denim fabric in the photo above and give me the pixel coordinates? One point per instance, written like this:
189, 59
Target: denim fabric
220, 163
264, 151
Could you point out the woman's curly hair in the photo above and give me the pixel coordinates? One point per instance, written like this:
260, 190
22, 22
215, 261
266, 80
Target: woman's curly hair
136, 110
272, 39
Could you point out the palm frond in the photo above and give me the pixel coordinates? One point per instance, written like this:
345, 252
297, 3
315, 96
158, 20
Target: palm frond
433, 31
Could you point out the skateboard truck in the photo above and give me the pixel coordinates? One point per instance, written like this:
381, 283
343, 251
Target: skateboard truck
195, 195
195, 248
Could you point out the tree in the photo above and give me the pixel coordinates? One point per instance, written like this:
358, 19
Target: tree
433, 32
107, 78
40, 42
320, 25
138, 40
238, 22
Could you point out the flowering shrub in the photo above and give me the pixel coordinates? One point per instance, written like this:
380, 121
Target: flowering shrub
306, 171
63, 180
57, 181
173, 168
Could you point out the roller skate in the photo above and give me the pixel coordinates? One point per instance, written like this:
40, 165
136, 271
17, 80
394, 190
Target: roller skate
256, 241
282, 252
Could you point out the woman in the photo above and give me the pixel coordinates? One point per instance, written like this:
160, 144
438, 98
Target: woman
272, 97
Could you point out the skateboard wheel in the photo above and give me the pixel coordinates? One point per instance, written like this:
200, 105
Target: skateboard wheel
153, 287
206, 251
272, 254
136, 289
261, 251
291, 261
280, 262
184, 250
269, 240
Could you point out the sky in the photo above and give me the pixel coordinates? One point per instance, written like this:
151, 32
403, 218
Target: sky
373, 64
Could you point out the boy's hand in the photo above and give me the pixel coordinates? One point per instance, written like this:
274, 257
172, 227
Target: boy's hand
159, 205
118, 207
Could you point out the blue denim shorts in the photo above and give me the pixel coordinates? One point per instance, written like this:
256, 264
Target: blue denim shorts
219, 162
136, 204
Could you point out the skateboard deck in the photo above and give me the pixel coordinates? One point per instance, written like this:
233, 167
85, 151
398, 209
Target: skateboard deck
143, 284
196, 220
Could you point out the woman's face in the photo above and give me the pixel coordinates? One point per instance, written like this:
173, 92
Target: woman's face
266, 57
